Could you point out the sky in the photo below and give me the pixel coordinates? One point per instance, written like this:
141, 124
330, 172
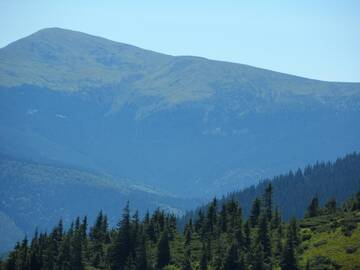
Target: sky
315, 39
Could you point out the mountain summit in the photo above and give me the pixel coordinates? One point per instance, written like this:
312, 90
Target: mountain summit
70, 61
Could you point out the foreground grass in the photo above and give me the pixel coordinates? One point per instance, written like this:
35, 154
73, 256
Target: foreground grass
331, 242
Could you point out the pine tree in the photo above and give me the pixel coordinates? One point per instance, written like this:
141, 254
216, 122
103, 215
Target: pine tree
257, 258
264, 237
119, 249
217, 256
268, 203
288, 260
76, 258
163, 251
186, 263
188, 232
12, 258
141, 260
232, 258
98, 238
294, 231
64, 259
255, 212
203, 264
313, 209
211, 218
330, 206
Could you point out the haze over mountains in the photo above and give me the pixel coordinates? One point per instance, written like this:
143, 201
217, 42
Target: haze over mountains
183, 127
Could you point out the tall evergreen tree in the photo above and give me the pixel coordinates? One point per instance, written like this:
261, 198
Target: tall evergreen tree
268, 201
288, 260
231, 261
203, 264
119, 249
163, 251
313, 208
186, 263
264, 237
255, 212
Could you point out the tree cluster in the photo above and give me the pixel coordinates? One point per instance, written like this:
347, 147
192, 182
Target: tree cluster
220, 238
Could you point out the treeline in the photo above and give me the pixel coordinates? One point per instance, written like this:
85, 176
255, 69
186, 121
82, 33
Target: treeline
220, 238
294, 190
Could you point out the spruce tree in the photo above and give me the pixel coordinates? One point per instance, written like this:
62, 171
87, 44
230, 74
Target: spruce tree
64, 259
186, 263
313, 208
255, 212
203, 264
264, 237
231, 261
76, 258
330, 206
163, 251
119, 249
268, 203
141, 260
288, 260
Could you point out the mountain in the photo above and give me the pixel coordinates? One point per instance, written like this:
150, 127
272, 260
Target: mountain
36, 195
189, 125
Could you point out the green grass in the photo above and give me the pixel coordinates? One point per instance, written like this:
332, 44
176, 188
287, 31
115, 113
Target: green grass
334, 237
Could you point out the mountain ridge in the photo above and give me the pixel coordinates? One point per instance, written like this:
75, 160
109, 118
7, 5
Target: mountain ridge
75, 32
89, 62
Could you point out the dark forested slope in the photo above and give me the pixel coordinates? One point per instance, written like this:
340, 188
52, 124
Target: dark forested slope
294, 190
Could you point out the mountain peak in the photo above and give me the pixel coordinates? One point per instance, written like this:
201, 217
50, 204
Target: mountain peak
67, 60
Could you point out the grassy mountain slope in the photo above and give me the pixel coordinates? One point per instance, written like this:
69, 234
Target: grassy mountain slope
332, 240
66, 60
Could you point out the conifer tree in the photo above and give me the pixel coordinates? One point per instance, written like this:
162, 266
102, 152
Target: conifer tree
255, 212
288, 260
231, 261
186, 263
11, 261
264, 237
268, 204
257, 257
330, 206
76, 258
163, 251
119, 249
313, 209
203, 264
247, 236
141, 260
64, 259
211, 218
188, 232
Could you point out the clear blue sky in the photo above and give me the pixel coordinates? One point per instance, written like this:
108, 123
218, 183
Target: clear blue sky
317, 39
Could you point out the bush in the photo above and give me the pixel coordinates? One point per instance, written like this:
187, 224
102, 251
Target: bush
350, 250
348, 228
320, 243
322, 263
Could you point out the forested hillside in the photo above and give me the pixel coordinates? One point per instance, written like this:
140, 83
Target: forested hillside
328, 238
37, 195
292, 191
